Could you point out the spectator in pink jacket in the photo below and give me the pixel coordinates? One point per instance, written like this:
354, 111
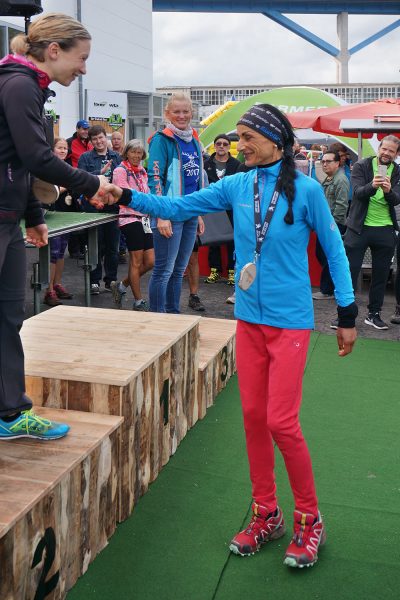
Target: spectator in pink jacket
134, 225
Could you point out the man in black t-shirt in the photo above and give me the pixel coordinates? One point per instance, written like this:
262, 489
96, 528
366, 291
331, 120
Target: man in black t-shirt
220, 165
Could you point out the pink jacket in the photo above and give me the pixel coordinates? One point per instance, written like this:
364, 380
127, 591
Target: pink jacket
125, 178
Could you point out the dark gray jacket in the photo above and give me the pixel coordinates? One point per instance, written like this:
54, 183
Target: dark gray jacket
24, 149
232, 166
361, 181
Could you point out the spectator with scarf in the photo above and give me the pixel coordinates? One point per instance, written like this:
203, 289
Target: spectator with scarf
134, 225
175, 167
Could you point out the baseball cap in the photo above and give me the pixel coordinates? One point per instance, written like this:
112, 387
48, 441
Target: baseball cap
83, 124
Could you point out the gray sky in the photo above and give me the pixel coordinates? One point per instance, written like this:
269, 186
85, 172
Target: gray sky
218, 49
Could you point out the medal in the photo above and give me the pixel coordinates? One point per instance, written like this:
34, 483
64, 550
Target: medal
249, 271
146, 224
247, 275
46, 193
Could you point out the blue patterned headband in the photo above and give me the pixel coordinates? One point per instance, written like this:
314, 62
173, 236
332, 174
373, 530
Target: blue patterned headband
264, 119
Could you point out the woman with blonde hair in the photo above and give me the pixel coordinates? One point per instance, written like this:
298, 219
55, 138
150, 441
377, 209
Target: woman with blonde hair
55, 49
175, 167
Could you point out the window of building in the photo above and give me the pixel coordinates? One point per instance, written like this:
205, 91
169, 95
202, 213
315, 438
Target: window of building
3, 42
6, 35
12, 32
157, 106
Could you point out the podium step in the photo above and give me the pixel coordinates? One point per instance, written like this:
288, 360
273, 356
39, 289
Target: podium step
217, 360
142, 366
58, 504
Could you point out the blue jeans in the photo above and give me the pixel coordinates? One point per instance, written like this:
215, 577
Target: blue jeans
171, 259
108, 248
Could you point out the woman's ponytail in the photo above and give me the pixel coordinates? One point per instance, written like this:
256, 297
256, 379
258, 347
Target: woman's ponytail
287, 185
19, 44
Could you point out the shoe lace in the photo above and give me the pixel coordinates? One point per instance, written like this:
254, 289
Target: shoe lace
29, 420
301, 532
255, 523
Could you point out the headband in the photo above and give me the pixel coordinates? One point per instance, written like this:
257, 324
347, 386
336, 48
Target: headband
265, 119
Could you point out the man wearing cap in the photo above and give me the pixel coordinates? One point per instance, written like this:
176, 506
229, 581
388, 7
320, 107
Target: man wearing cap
78, 143
221, 164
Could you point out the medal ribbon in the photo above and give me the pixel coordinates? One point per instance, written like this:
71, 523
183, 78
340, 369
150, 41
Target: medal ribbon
261, 231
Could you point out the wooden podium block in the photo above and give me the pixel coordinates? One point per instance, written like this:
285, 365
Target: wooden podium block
142, 366
58, 504
217, 361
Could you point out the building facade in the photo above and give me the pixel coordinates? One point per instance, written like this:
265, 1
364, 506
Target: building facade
121, 60
210, 97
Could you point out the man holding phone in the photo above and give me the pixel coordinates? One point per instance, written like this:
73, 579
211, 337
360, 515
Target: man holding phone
372, 221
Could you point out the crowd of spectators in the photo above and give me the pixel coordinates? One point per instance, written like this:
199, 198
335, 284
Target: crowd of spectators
364, 202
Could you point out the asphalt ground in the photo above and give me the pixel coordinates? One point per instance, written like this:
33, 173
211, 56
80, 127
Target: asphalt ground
214, 298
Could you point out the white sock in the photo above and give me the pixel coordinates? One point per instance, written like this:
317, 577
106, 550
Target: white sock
122, 288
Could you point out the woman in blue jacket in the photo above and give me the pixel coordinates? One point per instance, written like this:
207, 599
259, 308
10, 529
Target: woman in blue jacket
175, 167
275, 208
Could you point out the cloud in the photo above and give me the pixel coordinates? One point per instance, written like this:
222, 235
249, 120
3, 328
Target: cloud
241, 49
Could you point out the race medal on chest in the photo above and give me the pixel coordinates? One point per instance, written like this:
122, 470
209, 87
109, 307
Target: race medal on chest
146, 225
247, 275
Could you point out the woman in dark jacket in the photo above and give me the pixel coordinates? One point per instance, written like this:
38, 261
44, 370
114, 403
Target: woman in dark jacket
56, 49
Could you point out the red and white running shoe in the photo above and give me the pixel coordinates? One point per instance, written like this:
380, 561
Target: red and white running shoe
263, 527
309, 535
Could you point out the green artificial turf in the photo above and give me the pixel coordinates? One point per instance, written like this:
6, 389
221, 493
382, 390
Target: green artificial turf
175, 544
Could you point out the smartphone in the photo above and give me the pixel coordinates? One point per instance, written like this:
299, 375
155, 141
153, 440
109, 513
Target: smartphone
382, 170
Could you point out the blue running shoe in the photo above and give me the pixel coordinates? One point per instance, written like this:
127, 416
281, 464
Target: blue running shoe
32, 426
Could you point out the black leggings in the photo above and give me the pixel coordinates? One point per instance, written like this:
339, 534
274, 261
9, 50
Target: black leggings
382, 242
397, 280
12, 308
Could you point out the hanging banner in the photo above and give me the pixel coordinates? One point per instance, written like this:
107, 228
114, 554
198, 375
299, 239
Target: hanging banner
53, 109
108, 109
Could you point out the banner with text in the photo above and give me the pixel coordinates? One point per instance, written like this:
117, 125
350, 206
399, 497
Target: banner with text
108, 109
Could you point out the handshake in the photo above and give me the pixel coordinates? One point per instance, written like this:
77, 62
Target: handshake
108, 193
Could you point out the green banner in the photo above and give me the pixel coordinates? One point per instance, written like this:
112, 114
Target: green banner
288, 100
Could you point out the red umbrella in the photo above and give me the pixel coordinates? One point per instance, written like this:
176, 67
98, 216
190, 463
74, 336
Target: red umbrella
327, 120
